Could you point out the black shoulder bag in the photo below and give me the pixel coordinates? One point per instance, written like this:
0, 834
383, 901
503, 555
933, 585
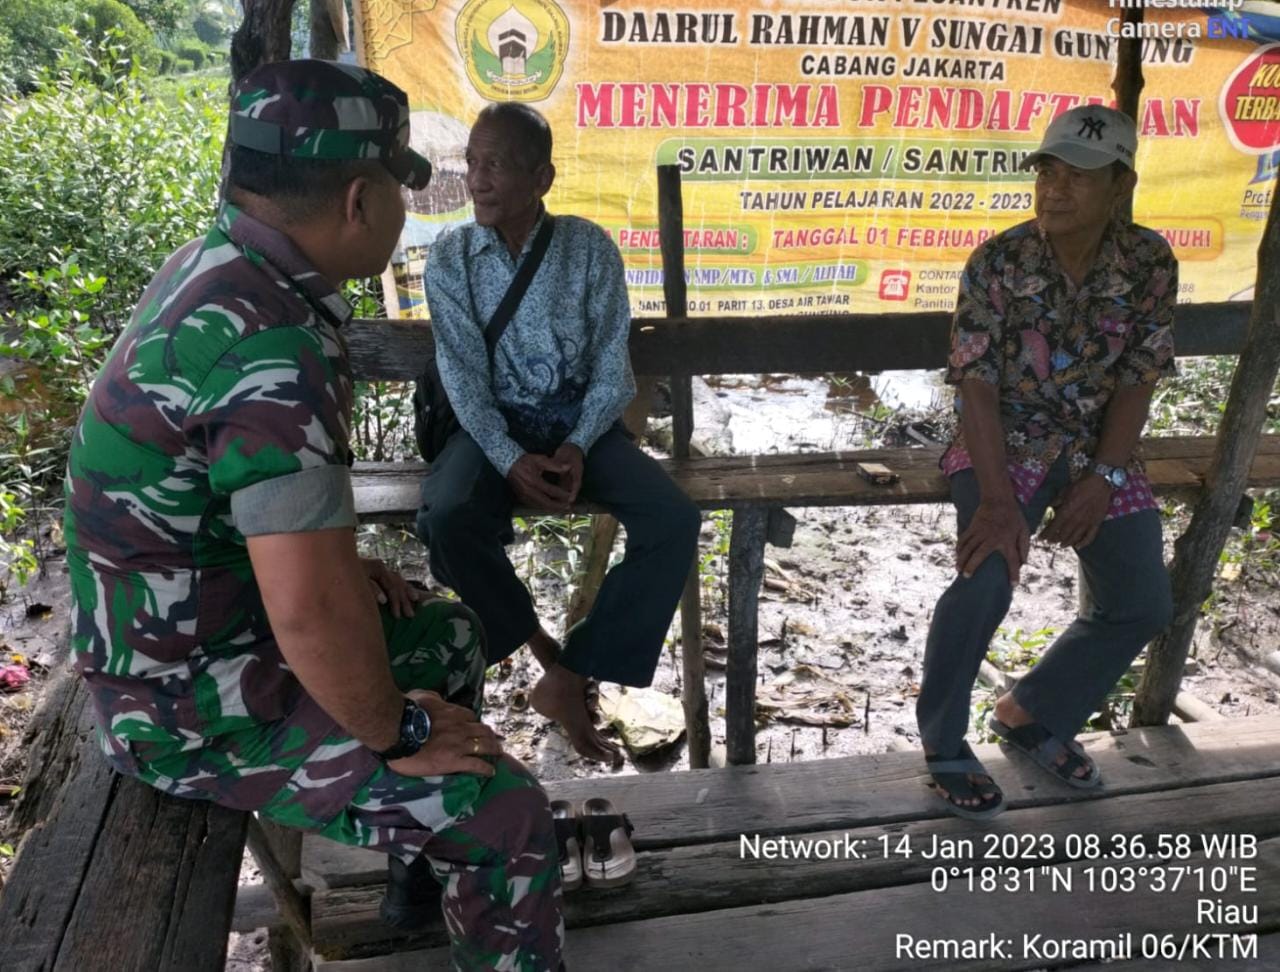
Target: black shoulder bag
434, 418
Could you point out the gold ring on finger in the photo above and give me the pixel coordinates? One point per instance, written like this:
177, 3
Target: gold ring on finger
475, 746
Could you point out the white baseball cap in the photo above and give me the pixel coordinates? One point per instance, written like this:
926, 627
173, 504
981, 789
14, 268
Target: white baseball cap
1088, 137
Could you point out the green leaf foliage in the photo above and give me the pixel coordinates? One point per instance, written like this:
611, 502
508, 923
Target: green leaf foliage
160, 16
109, 169
104, 171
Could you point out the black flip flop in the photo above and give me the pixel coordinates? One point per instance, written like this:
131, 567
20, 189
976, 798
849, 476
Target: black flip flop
1041, 746
951, 773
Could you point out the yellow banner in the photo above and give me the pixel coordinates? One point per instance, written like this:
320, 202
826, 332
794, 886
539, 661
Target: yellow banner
837, 155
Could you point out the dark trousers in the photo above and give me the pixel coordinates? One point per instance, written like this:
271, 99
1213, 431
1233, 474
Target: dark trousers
465, 520
1129, 602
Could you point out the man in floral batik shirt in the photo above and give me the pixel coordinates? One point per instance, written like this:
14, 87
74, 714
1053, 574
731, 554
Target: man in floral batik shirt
1064, 325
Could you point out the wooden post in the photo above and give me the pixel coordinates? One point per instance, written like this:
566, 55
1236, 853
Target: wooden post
604, 528
292, 905
746, 571
289, 951
1196, 552
671, 237
1128, 83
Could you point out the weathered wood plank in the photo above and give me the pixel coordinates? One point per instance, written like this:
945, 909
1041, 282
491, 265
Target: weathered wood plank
865, 929
746, 570
34, 910
165, 869
54, 743
693, 668
699, 806
713, 876
278, 876
389, 491
118, 854
395, 350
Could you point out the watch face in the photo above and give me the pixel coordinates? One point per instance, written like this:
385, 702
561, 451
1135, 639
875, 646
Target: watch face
419, 724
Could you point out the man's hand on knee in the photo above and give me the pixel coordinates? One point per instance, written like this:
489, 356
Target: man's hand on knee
390, 588
458, 741
1078, 513
570, 456
998, 526
528, 481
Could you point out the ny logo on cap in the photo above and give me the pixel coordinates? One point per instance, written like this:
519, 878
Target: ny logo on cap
1091, 128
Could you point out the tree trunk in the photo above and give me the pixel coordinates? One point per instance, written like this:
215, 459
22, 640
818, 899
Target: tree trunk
1128, 86
263, 36
1196, 552
326, 16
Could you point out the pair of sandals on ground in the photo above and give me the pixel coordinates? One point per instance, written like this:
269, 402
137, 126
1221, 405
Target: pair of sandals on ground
594, 841
982, 799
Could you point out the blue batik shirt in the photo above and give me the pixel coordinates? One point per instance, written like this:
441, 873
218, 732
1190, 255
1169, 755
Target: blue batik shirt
561, 371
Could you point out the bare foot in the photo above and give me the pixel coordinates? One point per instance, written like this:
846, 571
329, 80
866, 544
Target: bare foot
559, 695
1013, 715
544, 647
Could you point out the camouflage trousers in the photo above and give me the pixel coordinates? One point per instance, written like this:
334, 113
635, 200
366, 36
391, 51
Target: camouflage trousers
490, 842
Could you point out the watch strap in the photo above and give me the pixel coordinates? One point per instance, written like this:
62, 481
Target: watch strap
1116, 476
408, 743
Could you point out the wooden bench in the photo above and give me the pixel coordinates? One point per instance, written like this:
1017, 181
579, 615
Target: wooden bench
119, 876
758, 488
700, 902
115, 875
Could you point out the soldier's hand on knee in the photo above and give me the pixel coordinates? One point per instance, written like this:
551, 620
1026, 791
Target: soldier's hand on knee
458, 743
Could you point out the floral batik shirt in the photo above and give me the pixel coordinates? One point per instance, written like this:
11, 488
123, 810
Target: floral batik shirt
1058, 352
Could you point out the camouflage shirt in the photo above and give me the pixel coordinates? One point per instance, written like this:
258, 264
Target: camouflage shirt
222, 412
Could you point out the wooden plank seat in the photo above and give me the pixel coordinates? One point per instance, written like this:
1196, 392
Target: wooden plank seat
698, 901
117, 875
388, 491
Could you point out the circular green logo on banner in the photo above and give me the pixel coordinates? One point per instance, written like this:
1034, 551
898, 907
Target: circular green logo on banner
514, 50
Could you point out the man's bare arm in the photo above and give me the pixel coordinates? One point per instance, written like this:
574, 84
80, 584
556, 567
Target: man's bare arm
1123, 423
326, 622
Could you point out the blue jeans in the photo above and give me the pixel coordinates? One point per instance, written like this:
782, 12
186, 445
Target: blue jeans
1126, 588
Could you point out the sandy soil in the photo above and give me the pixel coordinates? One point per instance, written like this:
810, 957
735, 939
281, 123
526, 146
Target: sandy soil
842, 619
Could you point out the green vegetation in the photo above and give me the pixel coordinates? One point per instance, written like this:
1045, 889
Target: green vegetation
104, 170
36, 35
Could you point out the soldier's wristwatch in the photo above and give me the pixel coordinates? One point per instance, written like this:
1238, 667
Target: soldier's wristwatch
415, 730
1116, 476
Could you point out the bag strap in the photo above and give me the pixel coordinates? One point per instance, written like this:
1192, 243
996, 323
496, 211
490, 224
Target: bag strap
515, 293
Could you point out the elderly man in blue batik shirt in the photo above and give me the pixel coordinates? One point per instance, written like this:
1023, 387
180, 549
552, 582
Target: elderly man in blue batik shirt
540, 427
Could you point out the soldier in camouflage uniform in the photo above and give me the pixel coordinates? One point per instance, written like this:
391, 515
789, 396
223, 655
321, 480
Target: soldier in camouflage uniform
230, 637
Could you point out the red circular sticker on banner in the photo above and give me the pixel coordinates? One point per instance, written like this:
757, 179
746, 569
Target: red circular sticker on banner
1250, 103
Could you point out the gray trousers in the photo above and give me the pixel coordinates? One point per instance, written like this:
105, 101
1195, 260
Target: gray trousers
1129, 602
465, 520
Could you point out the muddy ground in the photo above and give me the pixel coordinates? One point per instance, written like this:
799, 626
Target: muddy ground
843, 616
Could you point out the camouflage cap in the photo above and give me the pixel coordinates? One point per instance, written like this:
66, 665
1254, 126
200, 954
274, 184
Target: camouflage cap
311, 109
